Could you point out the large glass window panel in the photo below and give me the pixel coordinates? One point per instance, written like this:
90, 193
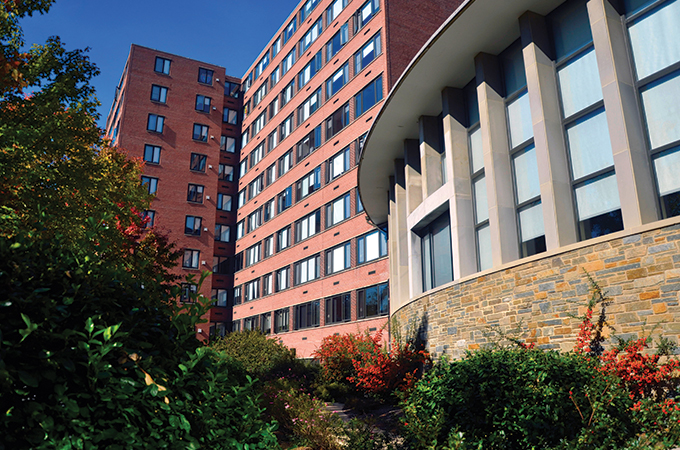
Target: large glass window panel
666, 167
426, 244
531, 222
526, 174
597, 196
519, 120
655, 39
476, 150
589, 146
484, 248
661, 103
441, 251
579, 83
481, 203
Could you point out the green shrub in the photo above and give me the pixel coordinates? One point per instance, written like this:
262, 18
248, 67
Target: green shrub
260, 355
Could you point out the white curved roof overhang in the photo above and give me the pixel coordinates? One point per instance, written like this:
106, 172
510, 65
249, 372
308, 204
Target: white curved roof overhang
447, 59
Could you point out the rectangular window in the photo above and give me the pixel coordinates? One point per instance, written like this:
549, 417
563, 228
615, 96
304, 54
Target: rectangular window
237, 297
371, 246
226, 172
283, 240
253, 255
308, 72
203, 103
437, 261
276, 47
151, 183
337, 81
288, 62
309, 106
285, 199
231, 89
259, 123
256, 155
268, 284
220, 297
222, 232
334, 10
251, 291
337, 211
242, 197
307, 270
338, 165
285, 163
200, 132
255, 186
281, 319
368, 97
228, 144
162, 65
259, 94
197, 163
268, 246
152, 154
255, 220
224, 202
367, 54
148, 218
338, 41
192, 226
309, 143
275, 76
272, 140
360, 206
338, 258
242, 169
191, 258
359, 146
308, 226
159, 93
240, 229
307, 9
366, 13
338, 309
188, 293
244, 139
269, 210
308, 184
205, 76
230, 116
264, 62
373, 301
246, 110
274, 108
270, 174
287, 93
307, 315
290, 30
311, 36
195, 193
286, 127
155, 123
247, 82
282, 279
337, 121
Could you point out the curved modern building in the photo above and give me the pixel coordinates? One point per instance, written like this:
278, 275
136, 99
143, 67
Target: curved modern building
528, 141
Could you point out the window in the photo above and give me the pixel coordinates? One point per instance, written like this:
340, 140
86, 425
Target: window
246, 110
337, 211
367, 54
281, 318
288, 62
275, 76
148, 218
268, 246
159, 93
155, 123
270, 174
252, 255
220, 297
247, 82
259, 94
274, 108
268, 284
286, 127
334, 10
221, 264
188, 293
192, 225
337, 81
237, 296
269, 210
162, 65
311, 36
242, 197
368, 97
338, 309
242, 170
228, 144
285, 163
360, 206
261, 65
338, 258
288, 93
290, 30
307, 315
366, 13
437, 262
222, 232
256, 155
307, 270
359, 146
276, 47
308, 184
152, 154
203, 103
236, 326
308, 72
283, 240
309, 143
244, 139
224, 202
272, 140
337, 121
309, 106
259, 123
240, 229
282, 279
307, 9
226, 172
251, 323
200, 132
255, 186
266, 323
230, 116
285, 199
151, 183
338, 165
254, 220
231, 89
190, 260
308, 226
373, 301
372, 246
205, 76
251, 291
197, 163
338, 40
195, 193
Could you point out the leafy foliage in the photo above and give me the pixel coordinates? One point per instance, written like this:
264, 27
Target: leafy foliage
260, 355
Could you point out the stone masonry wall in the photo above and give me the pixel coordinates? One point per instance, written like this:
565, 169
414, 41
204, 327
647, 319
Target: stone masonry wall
640, 272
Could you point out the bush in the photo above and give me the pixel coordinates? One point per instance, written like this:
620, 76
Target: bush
260, 355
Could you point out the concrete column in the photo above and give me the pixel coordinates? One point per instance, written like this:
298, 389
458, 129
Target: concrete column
631, 161
551, 153
392, 243
430, 157
502, 217
399, 260
413, 177
458, 167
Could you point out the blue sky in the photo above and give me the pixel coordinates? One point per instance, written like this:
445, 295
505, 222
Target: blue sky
229, 33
